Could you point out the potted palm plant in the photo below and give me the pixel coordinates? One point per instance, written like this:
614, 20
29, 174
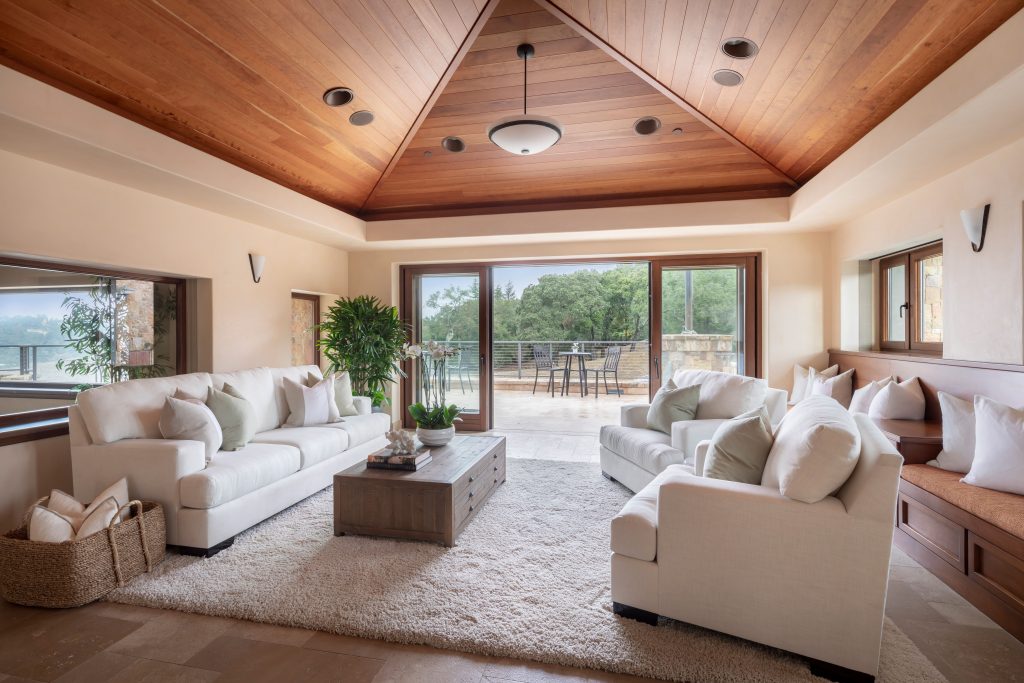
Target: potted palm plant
365, 337
435, 417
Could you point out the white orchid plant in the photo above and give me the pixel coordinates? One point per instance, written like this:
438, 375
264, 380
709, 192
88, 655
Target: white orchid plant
433, 412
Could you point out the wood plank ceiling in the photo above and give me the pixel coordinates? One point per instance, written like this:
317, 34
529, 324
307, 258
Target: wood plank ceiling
243, 80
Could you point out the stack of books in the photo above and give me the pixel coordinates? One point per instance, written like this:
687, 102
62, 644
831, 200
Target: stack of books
386, 460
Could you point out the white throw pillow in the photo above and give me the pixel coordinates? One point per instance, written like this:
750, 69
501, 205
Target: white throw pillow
333, 409
802, 379
308, 406
957, 434
98, 519
862, 398
839, 387
723, 396
191, 420
903, 401
66, 506
998, 448
816, 449
118, 491
49, 526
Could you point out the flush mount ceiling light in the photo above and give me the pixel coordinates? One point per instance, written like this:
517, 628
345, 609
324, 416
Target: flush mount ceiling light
739, 48
648, 125
727, 77
338, 97
524, 135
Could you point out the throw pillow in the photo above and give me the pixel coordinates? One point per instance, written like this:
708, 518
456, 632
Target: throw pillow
49, 526
957, 434
839, 387
672, 404
193, 421
99, 519
118, 491
308, 406
739, 449
235, 415
815, 451
343, 394
998, 448
862, 398
66, 506
723, 396
903, 401
333, 412
804, 377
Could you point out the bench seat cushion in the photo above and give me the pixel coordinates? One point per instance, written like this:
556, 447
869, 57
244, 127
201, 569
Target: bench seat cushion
232, 474
1003, 510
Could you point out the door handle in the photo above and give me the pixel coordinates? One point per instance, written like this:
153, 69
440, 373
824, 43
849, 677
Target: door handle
903, 307
657, 367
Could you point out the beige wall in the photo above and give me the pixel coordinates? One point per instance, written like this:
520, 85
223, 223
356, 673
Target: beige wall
983, 293
795, 306
51, 212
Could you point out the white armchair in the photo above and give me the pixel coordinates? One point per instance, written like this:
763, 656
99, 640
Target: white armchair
633, 455
747, 561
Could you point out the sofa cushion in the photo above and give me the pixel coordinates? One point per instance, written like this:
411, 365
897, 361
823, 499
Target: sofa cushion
647, 449
233, 474
816, 449
1004, 510
315, 444
723, 396
362, 428
131, 410
257, 387
299, 373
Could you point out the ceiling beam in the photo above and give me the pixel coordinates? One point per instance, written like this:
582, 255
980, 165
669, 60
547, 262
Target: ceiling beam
453, 66
657, 85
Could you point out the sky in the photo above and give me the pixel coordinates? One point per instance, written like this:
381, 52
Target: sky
31, 303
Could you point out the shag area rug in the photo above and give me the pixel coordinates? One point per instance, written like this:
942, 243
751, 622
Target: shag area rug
528, 579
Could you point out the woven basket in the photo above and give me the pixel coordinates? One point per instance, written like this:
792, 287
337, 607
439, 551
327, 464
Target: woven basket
74, 573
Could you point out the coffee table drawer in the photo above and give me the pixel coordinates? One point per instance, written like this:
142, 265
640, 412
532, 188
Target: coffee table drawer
473, 498
479, 473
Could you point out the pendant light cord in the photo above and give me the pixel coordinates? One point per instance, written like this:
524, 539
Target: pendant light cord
525, 59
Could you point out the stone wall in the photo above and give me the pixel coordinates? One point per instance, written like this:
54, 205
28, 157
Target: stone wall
699, 352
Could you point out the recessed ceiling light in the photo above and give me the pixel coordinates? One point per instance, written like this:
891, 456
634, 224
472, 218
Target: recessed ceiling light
648, 125
677, 131
428, 153
739, 48
727, 77
338, 97
453, 144
361, 118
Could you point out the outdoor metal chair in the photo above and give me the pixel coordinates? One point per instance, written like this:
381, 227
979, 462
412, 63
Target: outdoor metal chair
611, 365
543, 362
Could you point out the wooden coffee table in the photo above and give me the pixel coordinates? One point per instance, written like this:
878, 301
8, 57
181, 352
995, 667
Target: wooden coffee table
435, 503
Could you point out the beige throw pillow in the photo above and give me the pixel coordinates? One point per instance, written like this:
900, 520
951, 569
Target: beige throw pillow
862, 398
343, 394
235, 415
333, 410
903, 401
99, 519
66, 506
191, 420
118, 491
839, 387
48, 526
672, 404
308, 406
739, 448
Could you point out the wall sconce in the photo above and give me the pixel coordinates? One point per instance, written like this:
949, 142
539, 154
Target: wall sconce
256, 263
975, 224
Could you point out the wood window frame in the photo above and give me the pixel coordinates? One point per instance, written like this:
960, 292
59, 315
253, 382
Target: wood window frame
910, 259
315, 298
32, 425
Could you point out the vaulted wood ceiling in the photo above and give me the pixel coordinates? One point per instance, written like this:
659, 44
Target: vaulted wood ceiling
243, 81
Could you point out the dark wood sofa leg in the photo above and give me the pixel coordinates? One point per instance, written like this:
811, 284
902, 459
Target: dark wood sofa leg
204, 552
608, 476
635, 613
840, 674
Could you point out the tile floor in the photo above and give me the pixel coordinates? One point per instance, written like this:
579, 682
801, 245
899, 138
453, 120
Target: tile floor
117, 643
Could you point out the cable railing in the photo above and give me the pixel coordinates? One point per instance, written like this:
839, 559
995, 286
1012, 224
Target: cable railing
22, 362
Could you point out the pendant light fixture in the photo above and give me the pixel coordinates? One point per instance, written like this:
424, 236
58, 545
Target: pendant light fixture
525, 135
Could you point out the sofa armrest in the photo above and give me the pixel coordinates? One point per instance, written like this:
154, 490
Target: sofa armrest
151, 466
700, 454
688, 433
776, 403
363, 404
634, 415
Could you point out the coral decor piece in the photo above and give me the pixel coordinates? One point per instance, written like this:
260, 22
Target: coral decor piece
401, 442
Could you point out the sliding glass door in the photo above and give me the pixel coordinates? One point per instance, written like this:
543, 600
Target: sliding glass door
705, 316
451, 306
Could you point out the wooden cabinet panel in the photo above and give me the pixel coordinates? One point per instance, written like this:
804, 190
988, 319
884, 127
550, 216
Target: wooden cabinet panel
996, 570
942, 536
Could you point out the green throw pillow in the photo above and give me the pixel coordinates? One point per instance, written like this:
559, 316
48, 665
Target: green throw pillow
235, 414
739, 449
672, 404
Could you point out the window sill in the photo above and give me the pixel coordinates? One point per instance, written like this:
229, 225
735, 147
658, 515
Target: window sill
33, 431
919, 357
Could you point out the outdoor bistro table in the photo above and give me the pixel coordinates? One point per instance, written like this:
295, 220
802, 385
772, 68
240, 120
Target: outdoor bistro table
581, 357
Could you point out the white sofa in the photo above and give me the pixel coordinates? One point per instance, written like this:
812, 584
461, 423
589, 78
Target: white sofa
633, 455
745, 560
114, 433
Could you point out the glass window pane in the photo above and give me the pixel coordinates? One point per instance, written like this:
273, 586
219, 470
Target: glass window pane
929, 305
896, 286
448, 311
702, 320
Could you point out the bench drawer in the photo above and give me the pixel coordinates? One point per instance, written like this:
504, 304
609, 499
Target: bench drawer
942, 536
996, 570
